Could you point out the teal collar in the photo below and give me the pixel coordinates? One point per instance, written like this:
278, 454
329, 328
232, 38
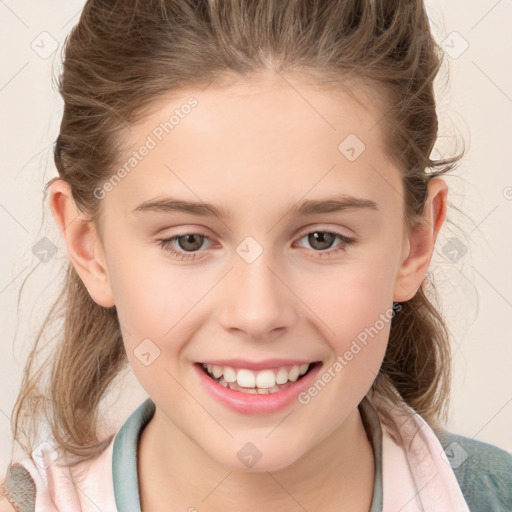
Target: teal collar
124, 456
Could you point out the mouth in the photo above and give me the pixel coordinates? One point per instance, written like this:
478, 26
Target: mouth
262, 382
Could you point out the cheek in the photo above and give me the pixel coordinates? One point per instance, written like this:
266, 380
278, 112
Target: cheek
356, 319
155, 305
354, 307
156, 311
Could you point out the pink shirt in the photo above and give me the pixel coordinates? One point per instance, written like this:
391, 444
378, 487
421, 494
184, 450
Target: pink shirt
411, 476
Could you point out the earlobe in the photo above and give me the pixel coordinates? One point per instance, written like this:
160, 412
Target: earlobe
82, 242
421, 242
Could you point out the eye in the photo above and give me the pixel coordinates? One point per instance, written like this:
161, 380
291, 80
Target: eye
189, 244
322, 240
185, 247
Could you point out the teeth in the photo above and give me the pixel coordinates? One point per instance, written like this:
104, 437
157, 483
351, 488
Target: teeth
229, 374
262, 382
235, 387
245, 378
282, 376
264, 379
294, 374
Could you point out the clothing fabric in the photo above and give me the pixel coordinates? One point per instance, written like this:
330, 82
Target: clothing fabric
421, 470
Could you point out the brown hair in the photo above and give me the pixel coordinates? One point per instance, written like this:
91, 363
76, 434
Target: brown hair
123, 56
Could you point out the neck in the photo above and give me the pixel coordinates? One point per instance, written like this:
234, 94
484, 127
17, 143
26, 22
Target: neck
174, 469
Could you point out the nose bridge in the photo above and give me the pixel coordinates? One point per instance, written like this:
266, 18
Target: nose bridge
257, 301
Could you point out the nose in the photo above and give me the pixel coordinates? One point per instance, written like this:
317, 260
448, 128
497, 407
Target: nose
257, 302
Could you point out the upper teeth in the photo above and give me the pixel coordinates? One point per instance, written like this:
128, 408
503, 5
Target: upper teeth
262, 379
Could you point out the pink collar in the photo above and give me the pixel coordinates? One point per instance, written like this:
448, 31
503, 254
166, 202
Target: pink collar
416, 474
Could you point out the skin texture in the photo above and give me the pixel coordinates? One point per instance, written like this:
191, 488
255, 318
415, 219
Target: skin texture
254, 148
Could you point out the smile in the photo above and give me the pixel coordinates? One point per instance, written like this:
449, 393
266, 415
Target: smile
256, 392
261, 382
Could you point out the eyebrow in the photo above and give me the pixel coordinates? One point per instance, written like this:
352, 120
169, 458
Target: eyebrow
310, 207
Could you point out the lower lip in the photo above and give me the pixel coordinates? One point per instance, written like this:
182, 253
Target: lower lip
247, 403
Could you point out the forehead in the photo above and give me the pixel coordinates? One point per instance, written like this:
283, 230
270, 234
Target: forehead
264, 139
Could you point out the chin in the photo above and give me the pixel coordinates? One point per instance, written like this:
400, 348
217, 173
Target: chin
250, 459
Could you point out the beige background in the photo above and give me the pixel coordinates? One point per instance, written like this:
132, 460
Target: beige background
476, 289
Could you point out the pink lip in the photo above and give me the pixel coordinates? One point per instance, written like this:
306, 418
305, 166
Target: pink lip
250, 404
253, 365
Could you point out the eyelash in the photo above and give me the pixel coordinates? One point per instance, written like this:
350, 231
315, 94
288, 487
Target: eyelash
167, 244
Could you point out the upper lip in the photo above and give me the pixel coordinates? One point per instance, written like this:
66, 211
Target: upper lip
256, 365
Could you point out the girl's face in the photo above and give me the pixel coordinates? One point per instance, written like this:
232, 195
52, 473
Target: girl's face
298, 241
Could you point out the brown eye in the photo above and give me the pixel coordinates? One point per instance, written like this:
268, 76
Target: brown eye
190, 242
321, 240
183, 246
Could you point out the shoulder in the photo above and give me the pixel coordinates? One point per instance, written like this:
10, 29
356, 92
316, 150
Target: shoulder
483, 471
17, 489
59, 481
5, 503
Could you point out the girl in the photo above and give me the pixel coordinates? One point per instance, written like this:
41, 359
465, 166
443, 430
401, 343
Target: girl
247, 197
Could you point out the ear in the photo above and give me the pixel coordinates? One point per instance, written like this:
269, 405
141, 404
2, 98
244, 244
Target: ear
421, 241
82, 241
